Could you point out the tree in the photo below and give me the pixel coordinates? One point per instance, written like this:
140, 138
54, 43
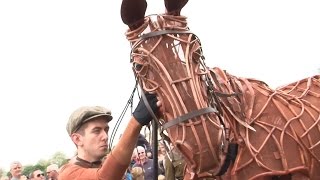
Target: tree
28, 169
58, 158
41, 165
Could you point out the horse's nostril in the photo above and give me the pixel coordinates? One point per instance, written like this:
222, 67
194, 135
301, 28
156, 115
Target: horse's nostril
137, 66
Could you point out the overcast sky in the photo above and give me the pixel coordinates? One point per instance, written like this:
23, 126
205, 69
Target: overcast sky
58, 55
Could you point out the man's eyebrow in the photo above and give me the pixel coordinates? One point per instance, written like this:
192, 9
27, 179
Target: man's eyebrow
96, 128
99, 128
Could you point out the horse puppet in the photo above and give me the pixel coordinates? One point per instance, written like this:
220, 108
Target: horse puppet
226, 127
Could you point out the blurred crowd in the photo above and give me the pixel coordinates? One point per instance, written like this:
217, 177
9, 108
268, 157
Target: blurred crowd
170, 165
16, 168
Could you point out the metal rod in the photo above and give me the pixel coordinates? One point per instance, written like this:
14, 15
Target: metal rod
155, 149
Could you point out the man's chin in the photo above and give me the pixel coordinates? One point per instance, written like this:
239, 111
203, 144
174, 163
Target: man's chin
103, 150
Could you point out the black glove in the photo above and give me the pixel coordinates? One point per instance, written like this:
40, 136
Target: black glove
141, 113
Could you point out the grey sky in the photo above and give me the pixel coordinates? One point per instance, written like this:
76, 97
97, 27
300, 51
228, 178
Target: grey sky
58, 55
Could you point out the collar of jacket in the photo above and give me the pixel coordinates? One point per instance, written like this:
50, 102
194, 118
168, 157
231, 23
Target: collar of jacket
87, 164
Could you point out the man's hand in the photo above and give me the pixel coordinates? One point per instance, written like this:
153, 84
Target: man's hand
141, 113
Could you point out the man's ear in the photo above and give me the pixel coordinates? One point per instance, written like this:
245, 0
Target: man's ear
77, 139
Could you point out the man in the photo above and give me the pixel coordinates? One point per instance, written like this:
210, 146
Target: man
174, 164
52, 172
16, 170
137, 173
37, 175
142, 141
88, 129
144, 162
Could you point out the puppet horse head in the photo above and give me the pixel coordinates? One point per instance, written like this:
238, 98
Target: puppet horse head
167, 59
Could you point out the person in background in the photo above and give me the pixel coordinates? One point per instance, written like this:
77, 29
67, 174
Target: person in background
137, 173
127, 175
16, 170
88, 128
161, 156
174, 164
52, 172
161, 177
37, 175
142, 141
4, 178
144, 162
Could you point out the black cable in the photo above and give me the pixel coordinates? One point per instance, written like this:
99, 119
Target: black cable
115, 129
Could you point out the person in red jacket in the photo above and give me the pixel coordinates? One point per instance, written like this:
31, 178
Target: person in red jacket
88, 129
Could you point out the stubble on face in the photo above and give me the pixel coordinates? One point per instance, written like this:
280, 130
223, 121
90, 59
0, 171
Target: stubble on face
96, 138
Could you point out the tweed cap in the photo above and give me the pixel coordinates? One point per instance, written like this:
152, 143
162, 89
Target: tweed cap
85, 114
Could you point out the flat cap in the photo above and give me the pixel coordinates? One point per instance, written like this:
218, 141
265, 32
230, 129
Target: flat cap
85, 114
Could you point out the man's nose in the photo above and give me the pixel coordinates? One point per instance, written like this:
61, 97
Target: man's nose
105, 136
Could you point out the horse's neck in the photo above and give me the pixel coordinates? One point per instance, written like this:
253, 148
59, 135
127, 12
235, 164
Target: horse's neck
236, 94
238, 97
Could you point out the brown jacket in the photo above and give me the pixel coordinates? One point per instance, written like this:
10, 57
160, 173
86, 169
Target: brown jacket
111, 169
174, 165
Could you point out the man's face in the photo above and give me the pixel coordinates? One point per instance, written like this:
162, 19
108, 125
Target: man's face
16, 170
141, 154
38, 175
162, 149
95, 138
52, 174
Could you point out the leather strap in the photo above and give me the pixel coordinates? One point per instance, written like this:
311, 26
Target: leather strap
158, 33
187, 116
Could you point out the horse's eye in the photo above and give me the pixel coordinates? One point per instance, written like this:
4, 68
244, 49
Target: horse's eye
137, 66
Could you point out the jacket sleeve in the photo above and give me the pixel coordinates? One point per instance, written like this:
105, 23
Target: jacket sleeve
110, 170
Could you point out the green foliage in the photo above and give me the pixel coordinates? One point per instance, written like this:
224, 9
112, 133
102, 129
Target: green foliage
58, 158
28, 169
43, 162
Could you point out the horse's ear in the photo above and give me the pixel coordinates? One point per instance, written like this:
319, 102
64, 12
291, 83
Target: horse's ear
132, 13
174, 7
